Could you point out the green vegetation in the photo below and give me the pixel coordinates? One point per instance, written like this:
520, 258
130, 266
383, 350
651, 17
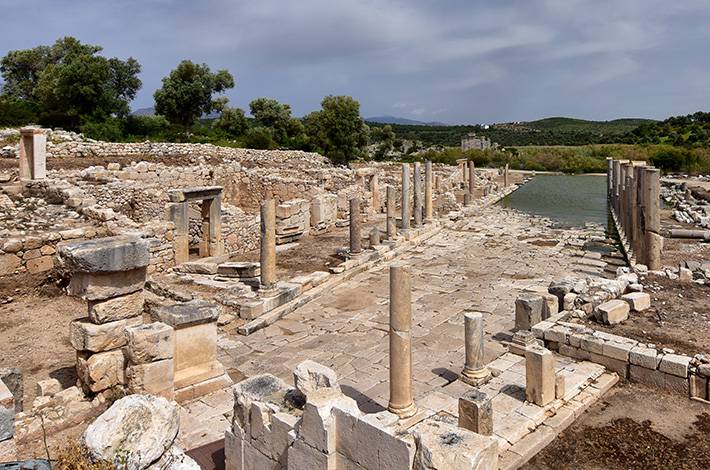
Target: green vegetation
67, 84
337, 130
187, 92
691, 131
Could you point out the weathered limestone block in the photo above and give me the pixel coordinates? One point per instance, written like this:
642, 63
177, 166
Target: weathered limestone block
7, 412
528, 310
613, 312
476, 412
301, 456
318, 427
102, 286
12, 377
675, 364
240, 270
373, 440
134, 432
324, 211
154, 378
309, 376
87, 336
443, 446
539, 375
149, 343
101, 371
9, 263
48, 387
638, 301
121, 253
117, 308
292, 220
551, 306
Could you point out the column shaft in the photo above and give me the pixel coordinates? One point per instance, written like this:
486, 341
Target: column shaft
417, 194
268, 244
475, 371
471, 177
391, 222
428, 181
355, 227
401, 401
652, 218
406, 213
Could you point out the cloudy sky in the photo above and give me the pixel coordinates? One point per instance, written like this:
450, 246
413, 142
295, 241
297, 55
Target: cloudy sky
457, 61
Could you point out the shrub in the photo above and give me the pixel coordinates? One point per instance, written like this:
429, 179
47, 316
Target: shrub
259, 138
110, 130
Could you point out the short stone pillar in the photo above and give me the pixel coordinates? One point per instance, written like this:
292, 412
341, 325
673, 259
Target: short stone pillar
391, 218
653, 240
529, 309
428, 206
471, 177
466, 199
418, 209
476, 412
474, 371
437, 183
355, 227
197, 371
108, 273
406, 212
149, 352
33, 154
267, 254
211, 212
539, 375
375, 191
178, 214
505, 176
374, 237
401, 401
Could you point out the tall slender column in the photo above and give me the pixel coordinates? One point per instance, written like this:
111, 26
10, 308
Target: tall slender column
178, 214
391, 222
401, 401
267, 256
652, 218
616, 173
355, 227
428, 180
417, 195
609, 180
474, 371
375, 191
471, 177
406, 213
629, 177
505, 176
632, 231
621, 216
638, 214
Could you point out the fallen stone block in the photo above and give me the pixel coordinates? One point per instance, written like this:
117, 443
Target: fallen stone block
7, 413
121, 253
444, 446
613, 312
101, 371
638, 301
12, 377
48, 387
154, 378
117, 308
102, 286
149, 343
528, 310
309, 376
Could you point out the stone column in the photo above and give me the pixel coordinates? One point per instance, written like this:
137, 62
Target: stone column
267, 256
375, 191
355, 227
437, 183
466, 199
401, 402
474, 371
628, 194
406, 213
428, 207
609, 179
539, 375
652, 218
471, 177
33, 154
638, 214
374, 237
417, 195
391, 222
615, 190
178, 214
505, 176
632, 230
214, 221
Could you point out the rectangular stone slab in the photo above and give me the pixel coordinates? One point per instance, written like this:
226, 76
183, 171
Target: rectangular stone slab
186, 314
194, 194
102, 286
121, 253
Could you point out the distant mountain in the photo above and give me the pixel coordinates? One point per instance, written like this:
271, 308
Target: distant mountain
144, 112
565, 124
402, 121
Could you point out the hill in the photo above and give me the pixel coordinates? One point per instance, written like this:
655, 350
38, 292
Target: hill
399, 120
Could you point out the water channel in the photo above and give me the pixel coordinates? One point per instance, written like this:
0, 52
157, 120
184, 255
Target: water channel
569, 200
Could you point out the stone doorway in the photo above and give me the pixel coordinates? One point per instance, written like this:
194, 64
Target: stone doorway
210, 198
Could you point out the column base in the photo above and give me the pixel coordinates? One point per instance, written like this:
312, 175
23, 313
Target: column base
475, 377
403, 412
268, 291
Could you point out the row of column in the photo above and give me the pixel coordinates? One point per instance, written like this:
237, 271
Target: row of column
423, 206
634, 198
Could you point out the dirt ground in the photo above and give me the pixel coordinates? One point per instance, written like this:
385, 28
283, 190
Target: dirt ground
633, 427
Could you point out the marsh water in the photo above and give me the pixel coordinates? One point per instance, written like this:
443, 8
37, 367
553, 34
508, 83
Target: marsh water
569, 200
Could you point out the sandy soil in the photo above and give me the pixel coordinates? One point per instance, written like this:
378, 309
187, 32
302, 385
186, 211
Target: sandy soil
633, 427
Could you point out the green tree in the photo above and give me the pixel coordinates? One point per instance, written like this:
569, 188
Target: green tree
232, 121
276, 117
187, 93
69, 82
259, 138
337, 130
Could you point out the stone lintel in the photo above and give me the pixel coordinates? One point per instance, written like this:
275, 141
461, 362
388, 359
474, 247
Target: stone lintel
185, 314
195, 194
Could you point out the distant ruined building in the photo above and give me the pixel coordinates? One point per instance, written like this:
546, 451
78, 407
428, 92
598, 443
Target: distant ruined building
472, 141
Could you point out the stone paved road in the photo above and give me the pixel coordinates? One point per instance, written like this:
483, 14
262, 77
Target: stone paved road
482, 266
